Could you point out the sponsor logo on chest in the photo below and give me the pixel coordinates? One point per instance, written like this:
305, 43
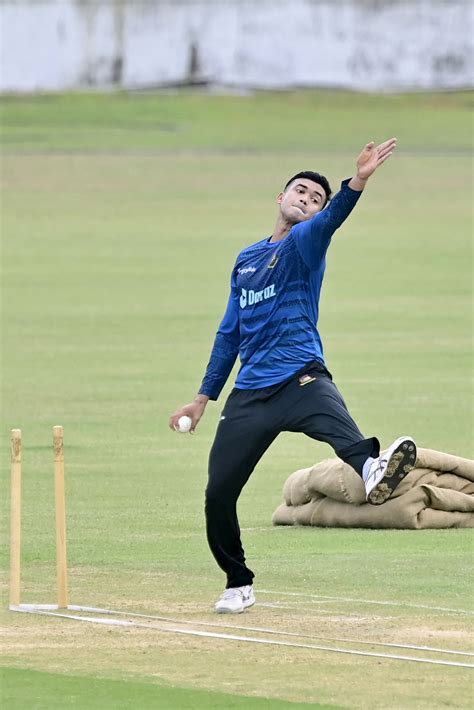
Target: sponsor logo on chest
246, 270
248, 297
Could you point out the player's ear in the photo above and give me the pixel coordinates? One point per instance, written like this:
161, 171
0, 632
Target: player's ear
280, 198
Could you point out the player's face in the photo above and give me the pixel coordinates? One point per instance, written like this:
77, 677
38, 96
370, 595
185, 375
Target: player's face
302, 200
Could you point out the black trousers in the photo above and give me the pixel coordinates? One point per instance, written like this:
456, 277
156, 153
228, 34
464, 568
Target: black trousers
310, 403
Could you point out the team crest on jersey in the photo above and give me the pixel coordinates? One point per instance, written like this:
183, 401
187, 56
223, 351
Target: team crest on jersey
273, 261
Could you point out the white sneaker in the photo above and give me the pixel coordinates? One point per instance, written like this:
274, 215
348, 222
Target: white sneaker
386, 471
235, 600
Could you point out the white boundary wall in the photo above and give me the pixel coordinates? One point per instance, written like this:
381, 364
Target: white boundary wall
371, 45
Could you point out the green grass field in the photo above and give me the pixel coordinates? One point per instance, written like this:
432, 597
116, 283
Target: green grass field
121, 219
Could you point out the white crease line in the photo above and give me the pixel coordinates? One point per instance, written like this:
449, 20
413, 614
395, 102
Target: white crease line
167, 619
300, 604
277, 605
263, 529
231, 637
367, 601
39, 607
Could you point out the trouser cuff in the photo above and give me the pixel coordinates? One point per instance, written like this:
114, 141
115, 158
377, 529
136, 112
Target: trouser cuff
357, 454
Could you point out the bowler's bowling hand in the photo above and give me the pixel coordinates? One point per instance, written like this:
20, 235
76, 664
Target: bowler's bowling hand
373, 156
194, 410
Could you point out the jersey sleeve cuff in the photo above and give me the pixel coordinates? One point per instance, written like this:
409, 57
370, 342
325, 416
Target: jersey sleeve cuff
213, 395
349, 190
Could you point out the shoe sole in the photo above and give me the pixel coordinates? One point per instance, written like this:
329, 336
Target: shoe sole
402, 461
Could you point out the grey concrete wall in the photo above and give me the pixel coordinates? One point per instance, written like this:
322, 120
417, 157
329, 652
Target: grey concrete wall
52, 45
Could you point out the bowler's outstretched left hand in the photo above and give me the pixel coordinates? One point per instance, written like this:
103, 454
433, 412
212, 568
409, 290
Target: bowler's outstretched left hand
373, 156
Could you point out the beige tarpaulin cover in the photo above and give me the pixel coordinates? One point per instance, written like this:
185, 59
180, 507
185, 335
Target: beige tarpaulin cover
438, 493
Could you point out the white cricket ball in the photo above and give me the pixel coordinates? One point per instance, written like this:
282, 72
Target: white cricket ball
184, 424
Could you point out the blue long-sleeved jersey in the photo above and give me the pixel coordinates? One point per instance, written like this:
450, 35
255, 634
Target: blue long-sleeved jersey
272, 314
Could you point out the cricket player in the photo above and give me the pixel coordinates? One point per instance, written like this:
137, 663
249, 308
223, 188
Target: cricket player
271, 322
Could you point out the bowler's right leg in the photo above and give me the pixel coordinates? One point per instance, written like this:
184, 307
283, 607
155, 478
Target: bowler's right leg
241, 440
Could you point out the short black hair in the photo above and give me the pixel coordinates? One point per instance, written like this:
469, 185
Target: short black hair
315, 177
